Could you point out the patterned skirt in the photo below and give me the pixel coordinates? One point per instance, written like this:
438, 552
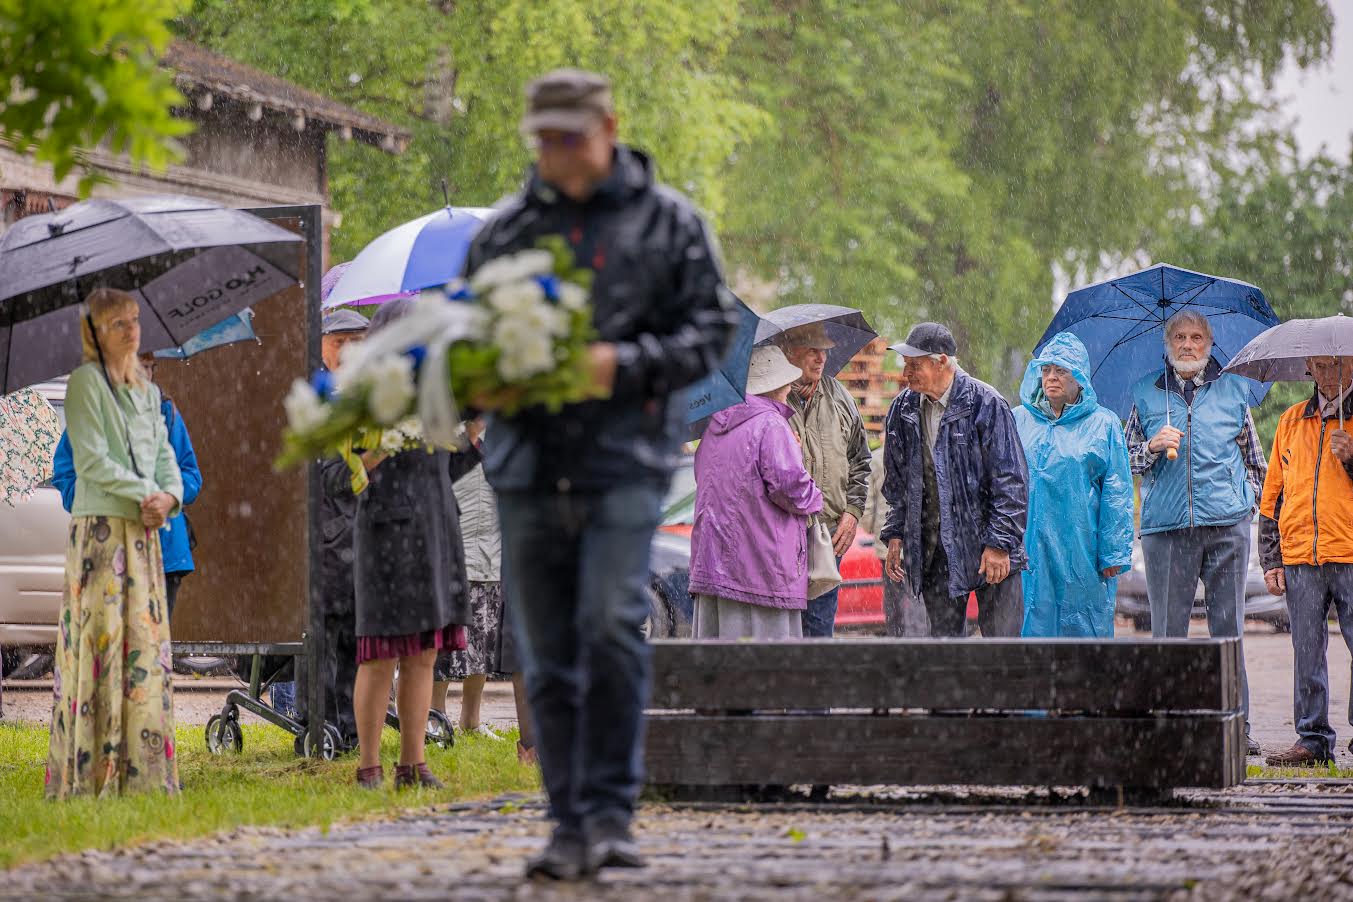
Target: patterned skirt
483, 649
113, 713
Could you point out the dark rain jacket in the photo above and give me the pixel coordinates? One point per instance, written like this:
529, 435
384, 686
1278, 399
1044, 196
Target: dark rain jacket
409, 570
979, 470
657, 294
338, 510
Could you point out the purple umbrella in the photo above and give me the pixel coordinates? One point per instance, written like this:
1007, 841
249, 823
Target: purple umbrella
331, 280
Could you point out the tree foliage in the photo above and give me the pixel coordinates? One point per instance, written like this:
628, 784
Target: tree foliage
80, 73
935, 158
454, 72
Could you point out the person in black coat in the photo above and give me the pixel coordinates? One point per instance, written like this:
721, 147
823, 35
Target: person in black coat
580, 489
411, 591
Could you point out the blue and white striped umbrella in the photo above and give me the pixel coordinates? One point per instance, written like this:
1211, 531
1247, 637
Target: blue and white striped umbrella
425, 253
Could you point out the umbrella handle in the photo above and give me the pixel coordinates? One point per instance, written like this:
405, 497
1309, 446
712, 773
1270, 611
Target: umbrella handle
1170, 453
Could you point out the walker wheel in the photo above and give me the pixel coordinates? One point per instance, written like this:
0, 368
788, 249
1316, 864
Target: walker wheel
330, 743
224, 735
439, 731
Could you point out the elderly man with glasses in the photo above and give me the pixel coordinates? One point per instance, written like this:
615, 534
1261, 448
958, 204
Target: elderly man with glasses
1306, 544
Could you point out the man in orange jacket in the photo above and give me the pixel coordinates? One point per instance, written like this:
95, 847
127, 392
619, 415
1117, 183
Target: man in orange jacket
1306, 544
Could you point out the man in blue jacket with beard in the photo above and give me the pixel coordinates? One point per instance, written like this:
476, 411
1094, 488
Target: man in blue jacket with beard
957, 485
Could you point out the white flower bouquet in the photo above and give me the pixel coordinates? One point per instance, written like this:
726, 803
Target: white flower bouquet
516, 336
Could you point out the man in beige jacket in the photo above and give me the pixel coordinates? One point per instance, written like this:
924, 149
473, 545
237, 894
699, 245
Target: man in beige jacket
835, 453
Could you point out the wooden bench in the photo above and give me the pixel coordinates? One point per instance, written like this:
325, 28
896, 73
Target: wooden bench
1144, 716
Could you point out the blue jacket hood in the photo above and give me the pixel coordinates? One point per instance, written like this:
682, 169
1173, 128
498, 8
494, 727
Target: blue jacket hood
1067, 351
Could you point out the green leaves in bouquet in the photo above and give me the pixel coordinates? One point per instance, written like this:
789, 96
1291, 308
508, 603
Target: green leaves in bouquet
347, 414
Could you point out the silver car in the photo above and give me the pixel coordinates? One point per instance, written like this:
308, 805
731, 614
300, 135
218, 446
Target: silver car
33, 557
1259, 604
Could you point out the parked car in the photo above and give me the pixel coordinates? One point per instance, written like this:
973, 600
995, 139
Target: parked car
1259, 604
33, 560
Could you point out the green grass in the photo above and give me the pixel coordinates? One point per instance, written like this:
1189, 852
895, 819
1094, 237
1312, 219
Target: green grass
267, 784
1331, 770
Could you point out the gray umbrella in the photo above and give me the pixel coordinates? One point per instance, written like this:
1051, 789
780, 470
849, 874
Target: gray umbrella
191, 262
1279, 354
846, 327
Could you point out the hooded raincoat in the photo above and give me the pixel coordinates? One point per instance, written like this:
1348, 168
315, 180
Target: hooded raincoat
752, 502
1080, 502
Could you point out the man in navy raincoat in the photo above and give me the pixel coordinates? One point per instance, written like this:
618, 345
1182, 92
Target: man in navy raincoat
1080, 496
955, 480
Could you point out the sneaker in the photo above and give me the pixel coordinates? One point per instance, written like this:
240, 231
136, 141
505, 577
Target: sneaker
1297, 756
371, 777
486, 731
612, 846
527, 755
563, 858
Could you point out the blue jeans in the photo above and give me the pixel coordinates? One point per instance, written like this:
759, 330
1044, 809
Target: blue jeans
819, 618
1311, 591
578, 565
1220, 557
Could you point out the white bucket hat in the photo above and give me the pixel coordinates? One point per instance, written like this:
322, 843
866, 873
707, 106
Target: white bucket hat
770, 370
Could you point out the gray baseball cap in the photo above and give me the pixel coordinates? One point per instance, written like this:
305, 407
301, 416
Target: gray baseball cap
343, 320
569, 100
925, 339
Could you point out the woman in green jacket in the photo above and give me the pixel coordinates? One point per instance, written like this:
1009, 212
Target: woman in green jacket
113, 714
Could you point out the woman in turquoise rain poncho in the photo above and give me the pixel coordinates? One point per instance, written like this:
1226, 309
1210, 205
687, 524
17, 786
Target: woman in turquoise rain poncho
1080, 496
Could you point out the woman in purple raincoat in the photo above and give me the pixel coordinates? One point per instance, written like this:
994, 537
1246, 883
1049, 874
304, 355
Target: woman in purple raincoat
749, 546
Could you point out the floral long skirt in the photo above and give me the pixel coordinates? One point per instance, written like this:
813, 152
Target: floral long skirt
113, 712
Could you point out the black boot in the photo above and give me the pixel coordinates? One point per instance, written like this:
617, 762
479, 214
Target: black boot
564, 858
611, 845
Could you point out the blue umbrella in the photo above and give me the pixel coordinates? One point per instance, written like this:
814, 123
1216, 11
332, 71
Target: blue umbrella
239, 327
426, 252
727, 385
1121, 321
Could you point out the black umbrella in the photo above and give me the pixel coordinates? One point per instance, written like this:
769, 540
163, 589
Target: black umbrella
845, 327
191, 262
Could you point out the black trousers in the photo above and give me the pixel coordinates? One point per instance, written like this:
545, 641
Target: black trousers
339, 671
1000, 608
171, 590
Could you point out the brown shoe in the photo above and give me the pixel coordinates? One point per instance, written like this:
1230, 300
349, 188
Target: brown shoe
527, 755
371, 777
411, 775
1297, 756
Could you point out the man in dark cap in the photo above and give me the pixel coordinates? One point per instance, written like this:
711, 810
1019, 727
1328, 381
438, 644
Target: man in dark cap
340, 328
580, 490
957, 484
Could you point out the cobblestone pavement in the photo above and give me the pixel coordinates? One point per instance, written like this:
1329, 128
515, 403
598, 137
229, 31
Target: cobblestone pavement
1274, 841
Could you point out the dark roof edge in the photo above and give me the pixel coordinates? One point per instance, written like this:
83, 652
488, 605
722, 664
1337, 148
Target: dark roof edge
211, 74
